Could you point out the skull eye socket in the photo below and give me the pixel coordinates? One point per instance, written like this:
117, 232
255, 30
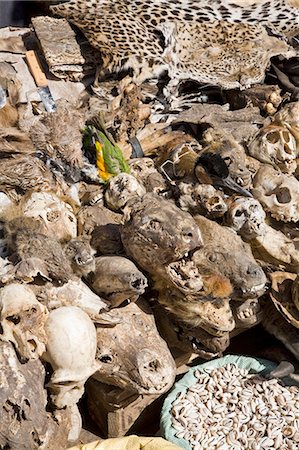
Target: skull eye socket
238, 213
14, 319
106, 359
273, 137
282, 195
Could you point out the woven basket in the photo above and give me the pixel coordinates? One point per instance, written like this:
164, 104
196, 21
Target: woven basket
253, 365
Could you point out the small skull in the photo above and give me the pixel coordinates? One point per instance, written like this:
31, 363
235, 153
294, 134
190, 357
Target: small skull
278, 193
56, 216
121, 189
71, 350
22, 320
247, 217
275, 145
202, 199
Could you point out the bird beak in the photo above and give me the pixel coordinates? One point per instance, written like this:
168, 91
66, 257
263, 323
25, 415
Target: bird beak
229, 183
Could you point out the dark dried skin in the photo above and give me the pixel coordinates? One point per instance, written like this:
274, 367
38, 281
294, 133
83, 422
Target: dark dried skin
60, 142
25, 173
117, 279
132, 355
156, 232
81, 256
225, 251
26, 242
25, 424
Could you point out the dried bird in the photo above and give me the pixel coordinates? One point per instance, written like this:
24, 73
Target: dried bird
210, 168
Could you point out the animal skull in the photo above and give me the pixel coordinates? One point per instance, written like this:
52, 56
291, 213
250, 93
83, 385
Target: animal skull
71, 349
278, 193
121, 189
22, 320
275, 145
247, 217
202, 199
56, 216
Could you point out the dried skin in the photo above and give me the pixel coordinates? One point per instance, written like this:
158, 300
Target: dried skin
25, 424
60, 142
26, 243
133, 346
26, 173
81, 256
225, 251
117, 279
153, 238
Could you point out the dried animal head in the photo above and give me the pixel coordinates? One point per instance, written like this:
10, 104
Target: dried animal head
132, 355
117, 279
22, 320
225, 252
27, 242
153, 238
275, 145
215, 317
25, 422
202, 199
233, 154
247, 217
121, 189
71, 349
56, 216
81, 256
278, 193
72, 293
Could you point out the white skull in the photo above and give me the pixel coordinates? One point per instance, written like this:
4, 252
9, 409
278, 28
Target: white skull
121, 189
247, 217
277, 146
278, 193
202, 199
71, 350
141, 168
22, 320
57, 216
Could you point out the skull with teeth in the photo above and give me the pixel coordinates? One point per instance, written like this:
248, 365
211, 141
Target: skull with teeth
247, 314
276, 145
22, 320
81, 256
278, 193
202, 199
247, 217
70, 350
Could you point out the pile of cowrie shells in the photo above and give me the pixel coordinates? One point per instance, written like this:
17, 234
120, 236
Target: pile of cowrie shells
231, 409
